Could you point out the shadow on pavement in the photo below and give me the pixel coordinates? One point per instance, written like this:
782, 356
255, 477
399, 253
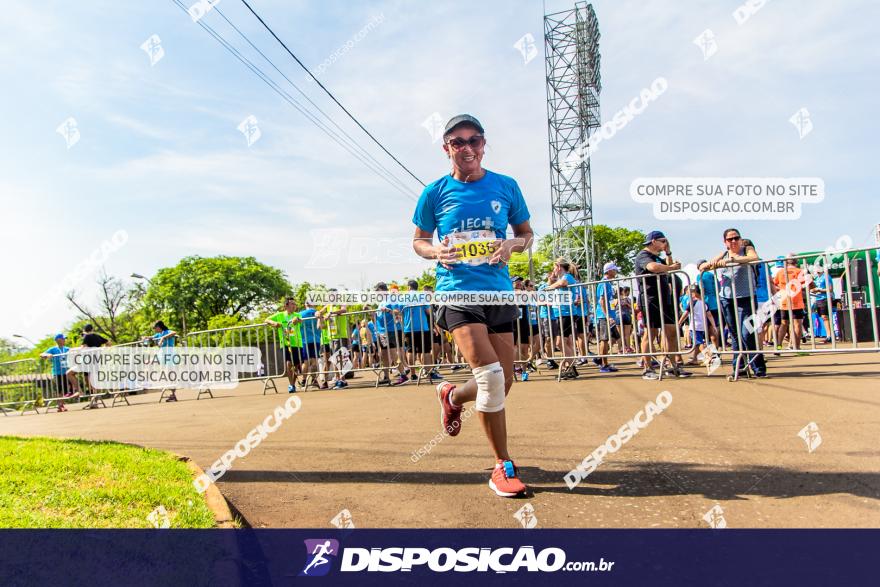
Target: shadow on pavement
634, 480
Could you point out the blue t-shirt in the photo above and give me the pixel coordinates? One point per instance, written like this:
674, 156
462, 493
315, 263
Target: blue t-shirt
166, 352
311, 334
355, 339
490, 203
59, 359
533, 315
710, 294
543, 309
605, 290
565, 309
168, 342
761, 291
415, 319
385, 320
820, 283
372, 328
580, 301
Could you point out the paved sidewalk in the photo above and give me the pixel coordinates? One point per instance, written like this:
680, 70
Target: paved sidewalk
731, 444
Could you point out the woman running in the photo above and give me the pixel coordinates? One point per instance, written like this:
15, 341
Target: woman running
473, 205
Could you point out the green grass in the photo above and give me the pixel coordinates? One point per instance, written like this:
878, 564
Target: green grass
51, 483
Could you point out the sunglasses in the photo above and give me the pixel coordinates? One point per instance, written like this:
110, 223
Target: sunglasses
733, 239
475, 142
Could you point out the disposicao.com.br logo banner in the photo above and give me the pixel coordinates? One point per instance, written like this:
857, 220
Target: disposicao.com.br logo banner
470, 559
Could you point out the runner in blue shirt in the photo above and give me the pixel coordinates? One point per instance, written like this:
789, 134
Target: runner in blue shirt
66, 382
470, 210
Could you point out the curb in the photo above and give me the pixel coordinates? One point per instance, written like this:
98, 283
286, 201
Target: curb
214, 499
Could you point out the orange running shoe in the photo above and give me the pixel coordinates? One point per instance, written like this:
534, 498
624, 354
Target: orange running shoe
450, 414
504, 480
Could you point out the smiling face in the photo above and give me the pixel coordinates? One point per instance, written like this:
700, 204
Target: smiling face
465, 146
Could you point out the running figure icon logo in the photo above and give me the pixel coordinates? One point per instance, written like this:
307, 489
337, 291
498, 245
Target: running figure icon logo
343, 520
706, 43
526, 515
810, 435
802, 122
250, 129
317, 553
715, 517
526, 46
69, 130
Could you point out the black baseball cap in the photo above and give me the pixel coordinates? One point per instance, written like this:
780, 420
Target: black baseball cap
462, 119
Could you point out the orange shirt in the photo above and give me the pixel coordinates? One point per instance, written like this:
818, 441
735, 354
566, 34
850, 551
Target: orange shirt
791, 275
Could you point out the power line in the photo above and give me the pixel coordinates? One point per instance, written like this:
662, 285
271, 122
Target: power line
304, 95
338, 103
291, 100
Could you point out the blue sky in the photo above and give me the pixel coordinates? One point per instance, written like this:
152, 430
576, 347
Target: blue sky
160, 156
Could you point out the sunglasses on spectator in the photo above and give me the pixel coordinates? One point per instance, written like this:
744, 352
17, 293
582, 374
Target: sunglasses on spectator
733, 239
458, 143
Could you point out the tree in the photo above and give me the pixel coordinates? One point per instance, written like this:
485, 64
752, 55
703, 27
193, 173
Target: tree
542, 262
616, 244
115, 318
198, 289
428, 277
9, 349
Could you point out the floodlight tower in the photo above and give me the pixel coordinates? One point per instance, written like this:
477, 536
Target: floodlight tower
571, 40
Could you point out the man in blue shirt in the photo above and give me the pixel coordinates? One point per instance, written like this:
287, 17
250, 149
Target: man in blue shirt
311, 341
66, 383
470, 210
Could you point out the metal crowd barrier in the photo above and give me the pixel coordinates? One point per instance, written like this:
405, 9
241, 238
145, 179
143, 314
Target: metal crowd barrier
21, 386
852, 317
260, 336
376, 342
564, 333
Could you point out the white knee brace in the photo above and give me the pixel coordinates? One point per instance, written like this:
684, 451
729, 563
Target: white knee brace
490, 388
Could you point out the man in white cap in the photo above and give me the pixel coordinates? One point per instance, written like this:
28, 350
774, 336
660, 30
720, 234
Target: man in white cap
606, 315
